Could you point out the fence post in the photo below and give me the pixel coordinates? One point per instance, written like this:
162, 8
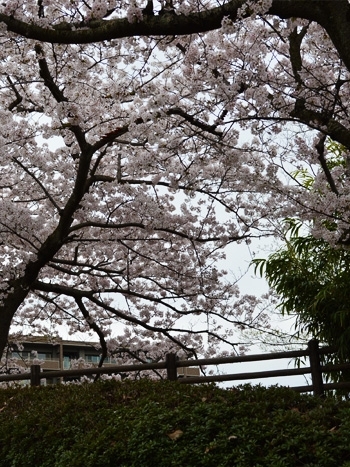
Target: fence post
171, 369
35, 375
316, 373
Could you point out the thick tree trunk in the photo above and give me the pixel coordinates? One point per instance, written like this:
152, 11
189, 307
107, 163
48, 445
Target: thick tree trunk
10, 304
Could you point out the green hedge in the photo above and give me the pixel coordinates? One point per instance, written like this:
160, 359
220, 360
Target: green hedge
156, 424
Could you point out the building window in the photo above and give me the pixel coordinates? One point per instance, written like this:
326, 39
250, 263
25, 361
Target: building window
92, 358
24, 355
44, 355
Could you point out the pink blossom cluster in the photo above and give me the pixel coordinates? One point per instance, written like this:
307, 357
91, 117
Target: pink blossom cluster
130, 164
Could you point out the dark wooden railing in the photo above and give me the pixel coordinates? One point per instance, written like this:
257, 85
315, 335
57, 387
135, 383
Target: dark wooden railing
171, 364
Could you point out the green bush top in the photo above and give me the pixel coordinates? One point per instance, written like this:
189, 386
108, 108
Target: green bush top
156, 424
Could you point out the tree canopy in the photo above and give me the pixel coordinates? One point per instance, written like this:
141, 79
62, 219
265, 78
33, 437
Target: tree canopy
139, 139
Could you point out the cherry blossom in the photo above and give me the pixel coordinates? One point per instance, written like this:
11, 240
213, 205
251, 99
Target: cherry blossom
140, 139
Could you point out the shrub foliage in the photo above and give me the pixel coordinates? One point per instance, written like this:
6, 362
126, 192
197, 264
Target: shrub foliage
165, 424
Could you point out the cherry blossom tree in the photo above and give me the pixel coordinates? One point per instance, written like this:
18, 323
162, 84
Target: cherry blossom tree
140, 139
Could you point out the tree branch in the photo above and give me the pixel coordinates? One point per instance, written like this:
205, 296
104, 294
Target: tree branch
89, 295
158, 25
320, 150
18, 99
194, 121
41, 185
140, 225
317, 120
95, 327
295, 40
46, 75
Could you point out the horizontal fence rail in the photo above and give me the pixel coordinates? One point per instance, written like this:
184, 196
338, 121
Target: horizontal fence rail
171, 364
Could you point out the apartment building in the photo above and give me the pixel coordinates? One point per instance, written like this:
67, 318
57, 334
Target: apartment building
59, 354
56, 354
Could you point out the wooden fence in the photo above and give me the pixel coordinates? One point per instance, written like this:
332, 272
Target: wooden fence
171, 364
